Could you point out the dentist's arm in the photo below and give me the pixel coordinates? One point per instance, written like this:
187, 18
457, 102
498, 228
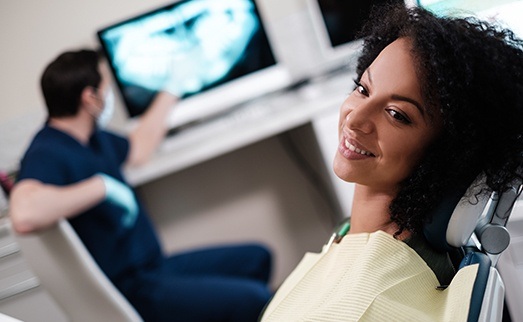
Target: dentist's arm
151, 129
34, 205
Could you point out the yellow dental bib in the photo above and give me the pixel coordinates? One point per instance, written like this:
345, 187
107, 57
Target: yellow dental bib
369, 277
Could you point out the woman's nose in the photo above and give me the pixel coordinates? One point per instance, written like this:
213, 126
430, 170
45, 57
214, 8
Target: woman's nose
361, 118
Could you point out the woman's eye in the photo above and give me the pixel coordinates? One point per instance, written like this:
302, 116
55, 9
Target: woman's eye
361, 89
399, 116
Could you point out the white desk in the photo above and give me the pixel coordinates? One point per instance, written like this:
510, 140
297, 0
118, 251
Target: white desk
249, 123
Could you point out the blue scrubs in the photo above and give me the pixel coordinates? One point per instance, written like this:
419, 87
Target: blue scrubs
218, 284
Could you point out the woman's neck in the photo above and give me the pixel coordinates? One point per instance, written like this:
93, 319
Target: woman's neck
370, 211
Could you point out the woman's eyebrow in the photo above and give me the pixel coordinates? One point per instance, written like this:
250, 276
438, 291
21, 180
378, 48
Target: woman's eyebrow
409, 100
399, 97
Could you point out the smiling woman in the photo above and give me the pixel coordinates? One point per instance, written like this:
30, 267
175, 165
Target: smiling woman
437, 106
383, 126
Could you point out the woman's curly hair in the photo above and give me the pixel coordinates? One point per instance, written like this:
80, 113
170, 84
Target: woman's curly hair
471, 74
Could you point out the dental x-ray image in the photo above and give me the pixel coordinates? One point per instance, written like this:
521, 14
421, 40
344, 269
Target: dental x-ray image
185, 48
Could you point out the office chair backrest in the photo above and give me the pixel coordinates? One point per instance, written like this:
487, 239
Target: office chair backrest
478, 230
71, 276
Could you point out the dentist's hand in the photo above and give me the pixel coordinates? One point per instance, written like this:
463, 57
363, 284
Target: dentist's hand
121, 195
184, 78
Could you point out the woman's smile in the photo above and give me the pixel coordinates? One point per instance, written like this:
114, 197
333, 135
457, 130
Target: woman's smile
353, 151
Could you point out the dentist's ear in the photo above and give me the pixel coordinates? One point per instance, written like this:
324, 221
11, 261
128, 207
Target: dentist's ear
90, 97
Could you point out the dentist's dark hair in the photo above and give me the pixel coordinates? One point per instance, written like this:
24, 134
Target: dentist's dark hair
65, 78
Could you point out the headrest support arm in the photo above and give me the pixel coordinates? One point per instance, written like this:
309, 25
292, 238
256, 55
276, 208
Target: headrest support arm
456, 219
490, 231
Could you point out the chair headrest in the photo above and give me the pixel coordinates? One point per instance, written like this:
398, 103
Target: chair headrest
454, 219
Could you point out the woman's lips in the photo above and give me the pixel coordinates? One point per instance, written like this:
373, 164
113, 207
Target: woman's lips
351, 151
356, 149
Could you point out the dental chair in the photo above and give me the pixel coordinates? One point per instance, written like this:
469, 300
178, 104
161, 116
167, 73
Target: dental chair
67, 271
476, 234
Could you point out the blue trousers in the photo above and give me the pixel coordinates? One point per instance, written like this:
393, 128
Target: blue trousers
213, 284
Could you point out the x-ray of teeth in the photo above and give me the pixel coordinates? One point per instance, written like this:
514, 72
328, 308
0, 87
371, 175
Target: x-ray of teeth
185, 48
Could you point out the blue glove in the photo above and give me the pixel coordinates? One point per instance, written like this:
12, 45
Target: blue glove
121, 195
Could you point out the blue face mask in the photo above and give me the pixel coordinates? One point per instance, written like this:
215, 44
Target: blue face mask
108, 109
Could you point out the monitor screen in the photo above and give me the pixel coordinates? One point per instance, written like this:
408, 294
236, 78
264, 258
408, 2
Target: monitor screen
336, 24
192, 47
344, 19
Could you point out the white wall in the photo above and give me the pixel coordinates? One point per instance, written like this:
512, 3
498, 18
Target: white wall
32, 33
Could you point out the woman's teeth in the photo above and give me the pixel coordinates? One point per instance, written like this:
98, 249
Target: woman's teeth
355, 149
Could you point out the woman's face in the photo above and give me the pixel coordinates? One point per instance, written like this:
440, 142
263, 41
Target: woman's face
384, 128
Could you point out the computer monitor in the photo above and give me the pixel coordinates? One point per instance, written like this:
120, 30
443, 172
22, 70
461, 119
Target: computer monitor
315, 37
213, 54
336, 24
506, 13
